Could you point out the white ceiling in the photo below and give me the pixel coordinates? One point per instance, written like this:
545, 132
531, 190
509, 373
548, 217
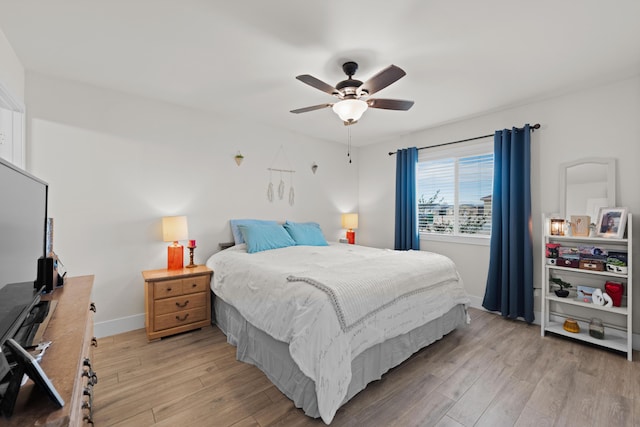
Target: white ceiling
241, 57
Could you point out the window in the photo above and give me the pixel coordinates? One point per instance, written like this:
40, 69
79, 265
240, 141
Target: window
454, 191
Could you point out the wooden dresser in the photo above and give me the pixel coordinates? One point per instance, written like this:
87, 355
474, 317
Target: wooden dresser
176, 300
67, 362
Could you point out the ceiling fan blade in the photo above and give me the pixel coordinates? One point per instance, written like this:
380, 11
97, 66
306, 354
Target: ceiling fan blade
318, 84
383, 79
312, 108
390, 104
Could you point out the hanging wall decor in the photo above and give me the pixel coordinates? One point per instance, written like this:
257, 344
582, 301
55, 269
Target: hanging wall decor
238, 158
281, 184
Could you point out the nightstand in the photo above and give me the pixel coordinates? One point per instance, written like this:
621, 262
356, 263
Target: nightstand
176, 300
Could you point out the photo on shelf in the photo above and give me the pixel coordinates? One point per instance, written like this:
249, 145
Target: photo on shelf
611, 222
580, 225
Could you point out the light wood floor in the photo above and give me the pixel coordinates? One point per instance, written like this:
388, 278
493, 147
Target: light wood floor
494, 372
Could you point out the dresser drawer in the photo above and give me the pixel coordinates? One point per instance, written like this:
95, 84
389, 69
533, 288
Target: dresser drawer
180, 318
195, 284
167, 288
184, 302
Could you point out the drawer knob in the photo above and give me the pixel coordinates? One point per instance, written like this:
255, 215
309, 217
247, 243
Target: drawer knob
86, 362
94, 342
182, 319
182, 305
193, 285
92, 307
92, 377
168, 289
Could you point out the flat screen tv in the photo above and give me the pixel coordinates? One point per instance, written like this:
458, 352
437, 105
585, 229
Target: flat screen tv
23, 218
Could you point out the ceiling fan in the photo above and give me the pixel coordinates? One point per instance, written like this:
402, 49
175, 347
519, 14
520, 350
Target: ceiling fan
354, 94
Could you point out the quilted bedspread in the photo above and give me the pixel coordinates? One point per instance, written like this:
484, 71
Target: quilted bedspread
330, 303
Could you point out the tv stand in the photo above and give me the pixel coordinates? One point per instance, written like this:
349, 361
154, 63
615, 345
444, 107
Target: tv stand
67, 362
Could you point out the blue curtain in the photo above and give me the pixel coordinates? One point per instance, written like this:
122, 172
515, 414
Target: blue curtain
407, 236
510, 281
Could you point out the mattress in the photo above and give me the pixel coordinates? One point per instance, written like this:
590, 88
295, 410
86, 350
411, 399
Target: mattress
272, 357
331, 303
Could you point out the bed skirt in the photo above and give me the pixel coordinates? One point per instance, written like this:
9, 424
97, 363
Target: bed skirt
272, 356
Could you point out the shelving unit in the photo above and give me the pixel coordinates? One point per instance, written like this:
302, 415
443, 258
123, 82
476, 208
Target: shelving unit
617, 320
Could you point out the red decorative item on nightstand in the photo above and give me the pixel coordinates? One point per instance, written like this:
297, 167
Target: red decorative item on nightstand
351, 237
350, 221
174, 228
615, 291
175, 257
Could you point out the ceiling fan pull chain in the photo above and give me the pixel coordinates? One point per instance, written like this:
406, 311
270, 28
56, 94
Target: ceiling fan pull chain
349, 144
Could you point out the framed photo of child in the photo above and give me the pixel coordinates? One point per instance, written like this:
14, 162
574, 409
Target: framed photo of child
611, 222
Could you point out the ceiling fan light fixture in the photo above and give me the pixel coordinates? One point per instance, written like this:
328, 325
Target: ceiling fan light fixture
350, 110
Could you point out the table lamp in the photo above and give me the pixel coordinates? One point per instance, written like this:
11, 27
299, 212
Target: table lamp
174, 228
350, 222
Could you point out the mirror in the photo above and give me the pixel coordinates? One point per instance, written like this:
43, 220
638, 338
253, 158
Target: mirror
587, 185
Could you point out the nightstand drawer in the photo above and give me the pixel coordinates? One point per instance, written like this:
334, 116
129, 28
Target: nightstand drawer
195, 284
180, 318
184, 302
167, 288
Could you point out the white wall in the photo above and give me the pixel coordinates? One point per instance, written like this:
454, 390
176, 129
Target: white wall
11, 69
117, 163
598, 122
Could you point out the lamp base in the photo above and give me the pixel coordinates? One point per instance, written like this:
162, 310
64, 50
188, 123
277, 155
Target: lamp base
175, 257
351, 237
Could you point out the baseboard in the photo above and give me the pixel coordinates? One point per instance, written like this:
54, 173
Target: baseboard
118, 326
476, 302
130, 323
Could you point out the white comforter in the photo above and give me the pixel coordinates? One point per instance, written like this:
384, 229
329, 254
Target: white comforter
313, 311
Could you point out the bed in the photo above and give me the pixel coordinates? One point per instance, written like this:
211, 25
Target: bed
324, 320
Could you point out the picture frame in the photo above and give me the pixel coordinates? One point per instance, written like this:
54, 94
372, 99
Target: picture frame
580, 225
611, 222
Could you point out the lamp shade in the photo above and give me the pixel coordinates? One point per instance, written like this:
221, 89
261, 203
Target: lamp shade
350, 110
174, 228
350, 221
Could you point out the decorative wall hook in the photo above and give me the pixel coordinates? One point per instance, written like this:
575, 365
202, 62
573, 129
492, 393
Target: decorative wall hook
314, 167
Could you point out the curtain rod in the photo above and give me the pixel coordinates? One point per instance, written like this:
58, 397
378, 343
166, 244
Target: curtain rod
533, 127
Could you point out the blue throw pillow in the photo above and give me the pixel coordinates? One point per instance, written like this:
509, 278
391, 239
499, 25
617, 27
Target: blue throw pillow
262, 237
306, 233
237, 236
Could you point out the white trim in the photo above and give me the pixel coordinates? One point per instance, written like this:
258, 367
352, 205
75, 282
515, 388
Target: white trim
480, 240
16, 152
131, 323
118, 326
476, 302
